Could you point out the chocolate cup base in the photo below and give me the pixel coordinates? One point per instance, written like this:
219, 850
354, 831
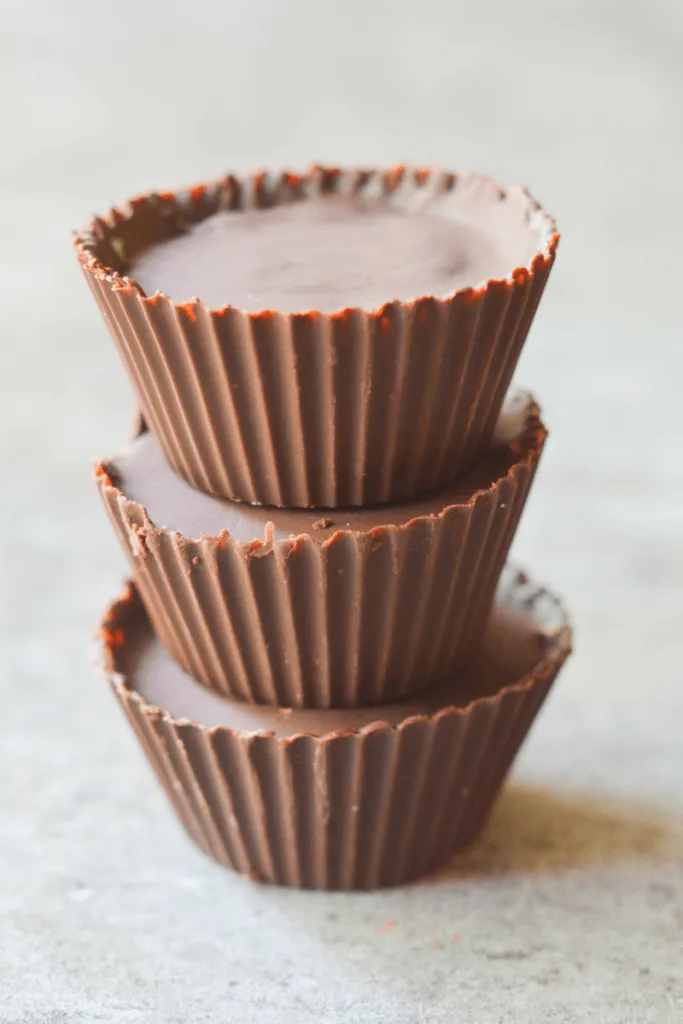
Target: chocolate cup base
340, 799
420, 870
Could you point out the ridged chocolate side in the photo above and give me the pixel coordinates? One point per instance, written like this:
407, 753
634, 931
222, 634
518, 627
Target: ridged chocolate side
344, 810
310, 409
357, 618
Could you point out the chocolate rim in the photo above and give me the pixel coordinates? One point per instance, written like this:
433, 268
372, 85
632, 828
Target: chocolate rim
262, 189
559, 632
533, 437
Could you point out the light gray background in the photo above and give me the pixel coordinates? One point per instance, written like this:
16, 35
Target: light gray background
571, 907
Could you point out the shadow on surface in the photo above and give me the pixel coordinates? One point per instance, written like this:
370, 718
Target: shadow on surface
533, 829
532, 889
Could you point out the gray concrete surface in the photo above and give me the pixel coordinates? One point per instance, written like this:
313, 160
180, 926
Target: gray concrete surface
571, 907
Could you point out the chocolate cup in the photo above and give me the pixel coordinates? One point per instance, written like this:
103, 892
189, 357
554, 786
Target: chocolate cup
340, 806
328, 617
311, 409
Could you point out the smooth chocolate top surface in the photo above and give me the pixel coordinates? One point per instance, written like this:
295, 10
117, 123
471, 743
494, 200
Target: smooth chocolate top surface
332, 252
142, 474
512, 647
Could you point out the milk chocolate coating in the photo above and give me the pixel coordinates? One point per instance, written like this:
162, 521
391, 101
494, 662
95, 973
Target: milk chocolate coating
340, 799
306, 609
385, 398
329, 253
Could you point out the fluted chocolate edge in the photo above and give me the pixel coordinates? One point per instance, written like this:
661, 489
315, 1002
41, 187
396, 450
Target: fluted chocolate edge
309, 409
350, 809
355, 618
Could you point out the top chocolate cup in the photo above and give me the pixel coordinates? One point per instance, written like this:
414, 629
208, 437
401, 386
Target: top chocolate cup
354, 334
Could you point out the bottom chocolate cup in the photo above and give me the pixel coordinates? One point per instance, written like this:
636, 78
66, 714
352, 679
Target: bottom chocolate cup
340, 799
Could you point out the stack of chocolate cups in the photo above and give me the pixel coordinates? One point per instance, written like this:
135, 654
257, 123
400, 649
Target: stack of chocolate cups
317, 509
